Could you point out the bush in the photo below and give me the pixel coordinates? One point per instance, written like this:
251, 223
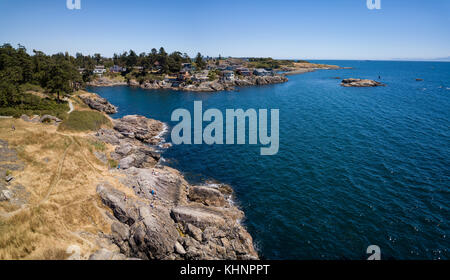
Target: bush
85, 121
31, 87
29, 104
113, 163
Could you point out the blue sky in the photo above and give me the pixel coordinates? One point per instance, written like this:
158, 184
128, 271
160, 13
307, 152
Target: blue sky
313, 29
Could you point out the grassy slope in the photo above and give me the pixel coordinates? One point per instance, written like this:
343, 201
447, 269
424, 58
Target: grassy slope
61, 174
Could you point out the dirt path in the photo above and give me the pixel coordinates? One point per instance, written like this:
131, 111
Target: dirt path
71, 107
58, 176
51, 187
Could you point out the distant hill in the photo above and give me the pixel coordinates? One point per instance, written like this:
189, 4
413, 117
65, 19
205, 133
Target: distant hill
446, 59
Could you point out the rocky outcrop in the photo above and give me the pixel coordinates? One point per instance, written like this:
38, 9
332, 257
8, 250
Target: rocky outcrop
360, 83
212, 86
106, 82
207, 196
140, 128
166, 225
167, 218
98, 103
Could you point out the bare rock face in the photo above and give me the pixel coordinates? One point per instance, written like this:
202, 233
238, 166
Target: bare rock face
207, 196
360, 83
167, 219
140, 128
164, 224
109, 136
98, 103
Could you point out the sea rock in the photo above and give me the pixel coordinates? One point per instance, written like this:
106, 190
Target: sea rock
360, 83
140, 128
98, 103
196, 216
207, 196
166, 218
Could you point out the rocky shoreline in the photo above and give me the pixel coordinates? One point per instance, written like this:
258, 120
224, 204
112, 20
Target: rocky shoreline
168, 218
213, 86
210, 86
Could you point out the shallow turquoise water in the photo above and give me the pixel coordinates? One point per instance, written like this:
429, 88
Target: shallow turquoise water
356, 166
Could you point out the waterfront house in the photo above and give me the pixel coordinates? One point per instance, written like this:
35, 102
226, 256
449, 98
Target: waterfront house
201, 77
184, 75
99, 70
228, 75
243, 71
261, 72
117, 69
186, 66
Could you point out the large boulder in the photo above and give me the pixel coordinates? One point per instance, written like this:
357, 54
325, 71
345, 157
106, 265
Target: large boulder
207, 196
140, 128
98, 103
109, 136
124, 211
197, 216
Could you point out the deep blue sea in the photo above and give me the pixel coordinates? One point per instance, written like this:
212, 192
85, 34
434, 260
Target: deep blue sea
356, 166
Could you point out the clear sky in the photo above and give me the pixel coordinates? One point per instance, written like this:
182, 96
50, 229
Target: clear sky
311, 29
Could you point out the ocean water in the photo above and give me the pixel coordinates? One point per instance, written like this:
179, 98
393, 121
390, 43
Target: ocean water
356, 166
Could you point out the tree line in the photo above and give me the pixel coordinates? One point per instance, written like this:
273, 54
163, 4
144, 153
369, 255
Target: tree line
59, 74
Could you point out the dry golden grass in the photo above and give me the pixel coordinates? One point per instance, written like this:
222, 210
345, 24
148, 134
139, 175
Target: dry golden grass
61, 175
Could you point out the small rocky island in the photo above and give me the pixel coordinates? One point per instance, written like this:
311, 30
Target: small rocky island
360, 83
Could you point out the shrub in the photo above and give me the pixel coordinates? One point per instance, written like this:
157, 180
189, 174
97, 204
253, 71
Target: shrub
112, 163
85, 121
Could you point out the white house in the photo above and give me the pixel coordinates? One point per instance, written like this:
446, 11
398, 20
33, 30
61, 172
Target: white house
99, 70
228, 75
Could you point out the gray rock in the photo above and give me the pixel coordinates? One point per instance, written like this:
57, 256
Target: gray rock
360, 83
109, 136
115, 200
140, 128
198, 217
127, 162
104, 254
98, 103
101, 156
179, 249
5, 195
207, 196
194, 231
